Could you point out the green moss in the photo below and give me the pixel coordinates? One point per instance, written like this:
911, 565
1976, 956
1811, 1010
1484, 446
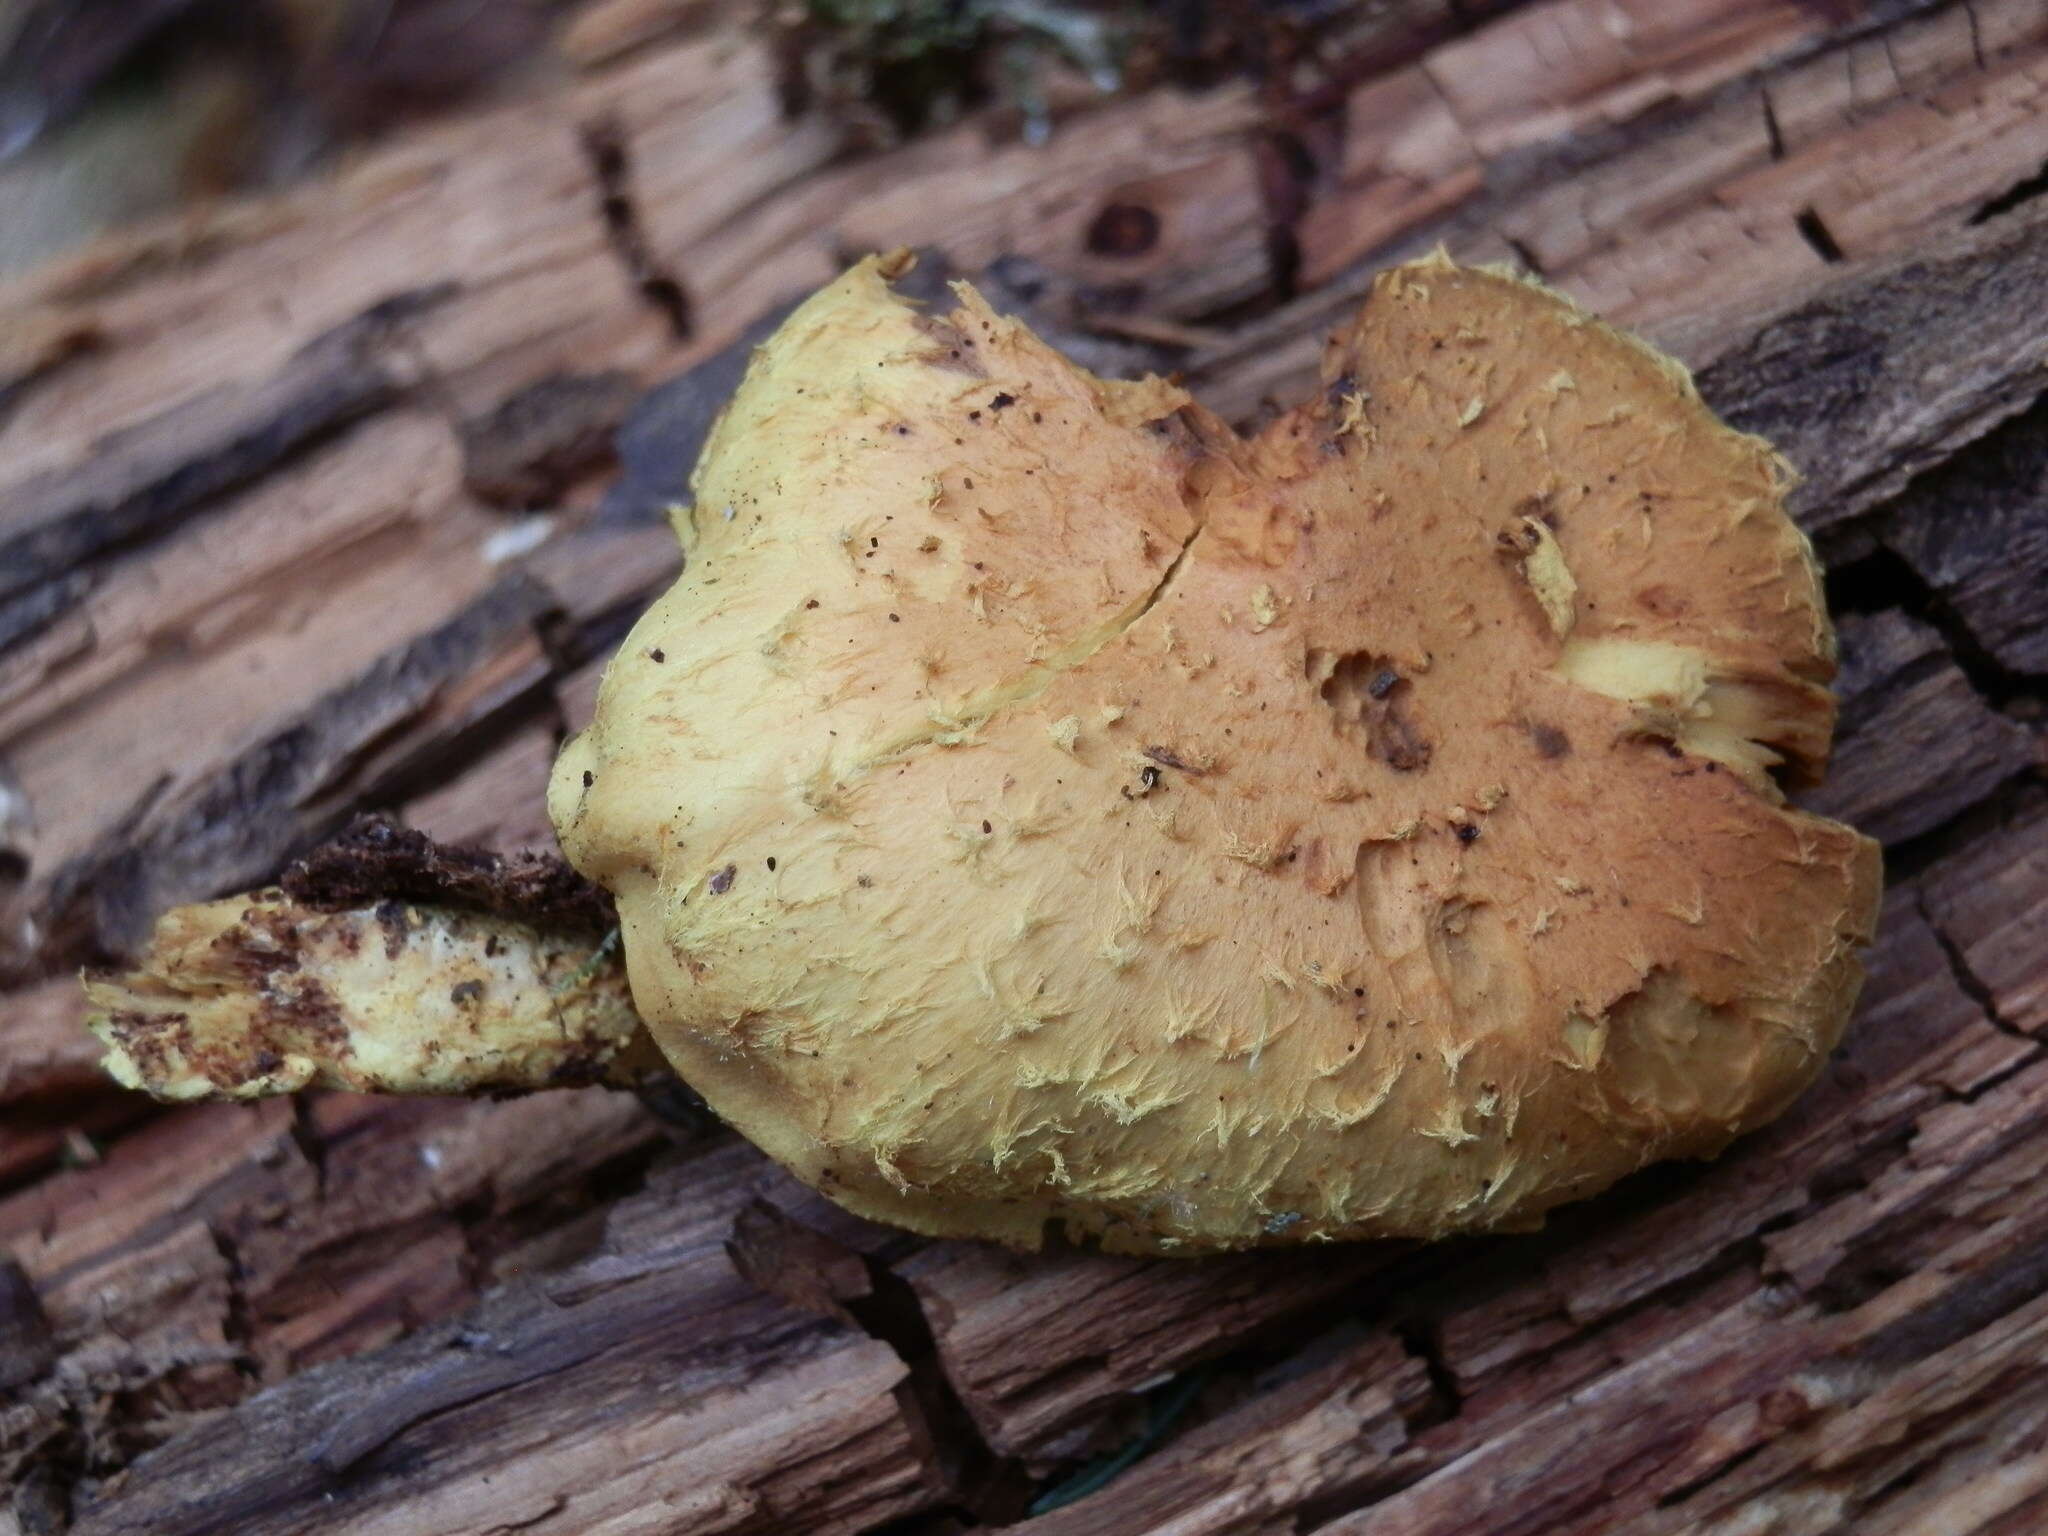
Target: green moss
905, 64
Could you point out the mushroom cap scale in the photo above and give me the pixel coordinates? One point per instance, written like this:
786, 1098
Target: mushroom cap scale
1036, 802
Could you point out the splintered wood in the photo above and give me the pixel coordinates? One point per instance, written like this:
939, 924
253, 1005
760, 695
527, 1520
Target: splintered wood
300, 512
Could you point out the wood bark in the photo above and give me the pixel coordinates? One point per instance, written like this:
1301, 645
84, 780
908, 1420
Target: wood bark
303, 515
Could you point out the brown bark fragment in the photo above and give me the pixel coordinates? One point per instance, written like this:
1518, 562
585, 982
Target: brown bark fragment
45, 1052
1327, 1434
526, 450
374, 859
1122, 1322
148, 478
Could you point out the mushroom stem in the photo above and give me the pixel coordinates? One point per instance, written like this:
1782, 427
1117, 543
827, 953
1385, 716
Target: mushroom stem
261, 994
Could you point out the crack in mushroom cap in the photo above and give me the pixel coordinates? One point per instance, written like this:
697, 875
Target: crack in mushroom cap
1035, 802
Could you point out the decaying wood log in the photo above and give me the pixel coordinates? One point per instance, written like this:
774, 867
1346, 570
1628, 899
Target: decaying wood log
288, 544
1918, 744
1782, 145
648, 1387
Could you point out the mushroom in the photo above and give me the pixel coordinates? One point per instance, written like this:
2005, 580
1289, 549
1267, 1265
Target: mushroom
1053, 807
1037, 803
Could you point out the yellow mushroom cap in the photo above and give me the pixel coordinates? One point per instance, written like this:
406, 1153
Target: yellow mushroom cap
1035, 802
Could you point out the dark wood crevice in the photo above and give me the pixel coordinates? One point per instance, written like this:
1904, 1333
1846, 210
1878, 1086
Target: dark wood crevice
1971, 984
1814, 231
1883, 581
1908, 859
608, 149
2020, 192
